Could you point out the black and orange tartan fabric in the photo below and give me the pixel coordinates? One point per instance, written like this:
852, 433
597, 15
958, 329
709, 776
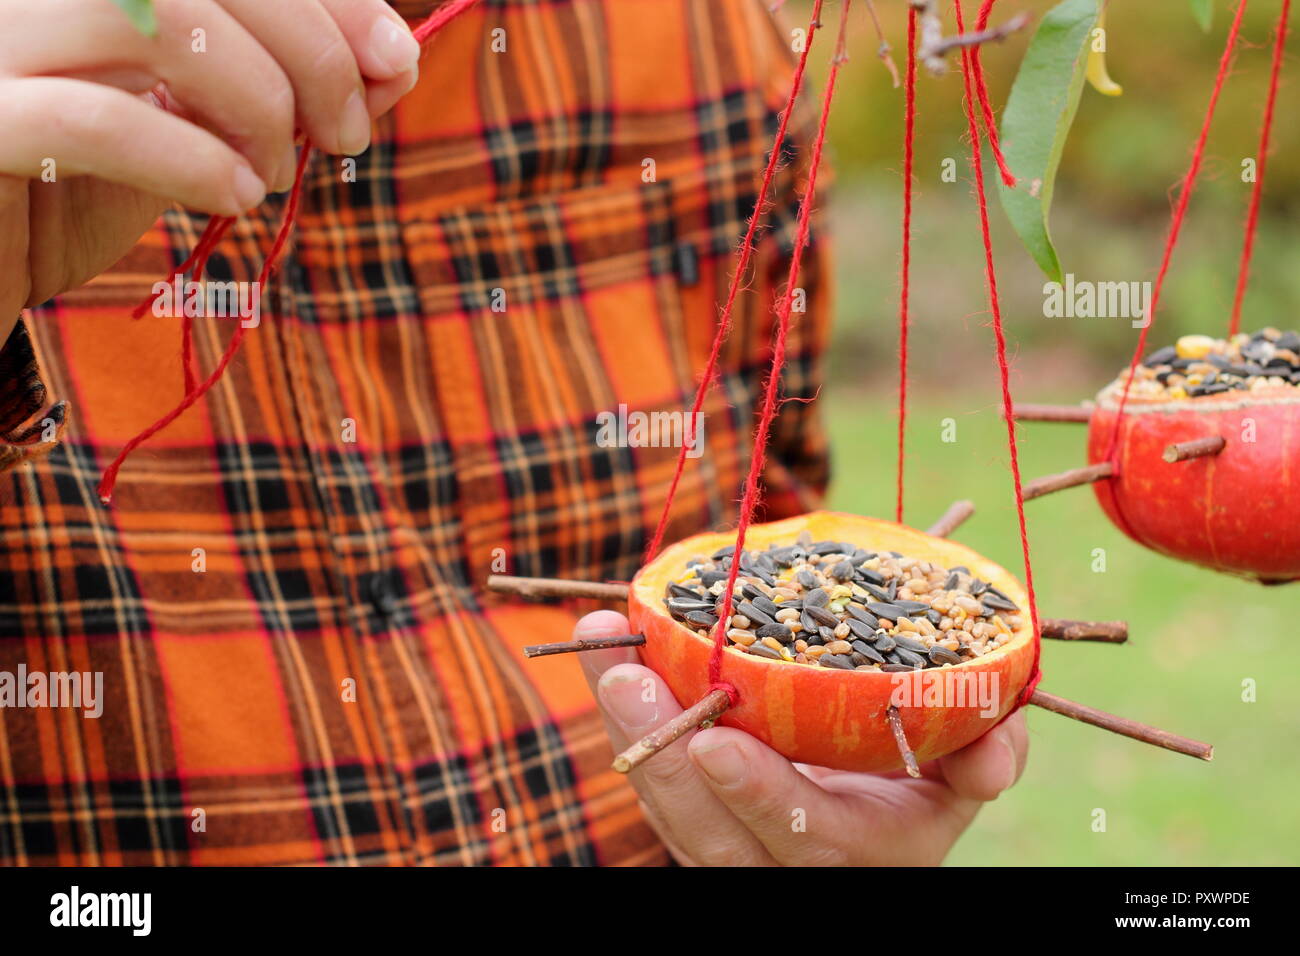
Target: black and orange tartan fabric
384, 441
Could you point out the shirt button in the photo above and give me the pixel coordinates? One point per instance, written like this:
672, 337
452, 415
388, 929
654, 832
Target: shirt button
380, 590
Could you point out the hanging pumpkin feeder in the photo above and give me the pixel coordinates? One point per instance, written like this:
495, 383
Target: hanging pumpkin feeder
1195, 451
815, 712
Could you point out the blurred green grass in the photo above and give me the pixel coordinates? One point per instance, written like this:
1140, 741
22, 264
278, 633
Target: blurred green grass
1195, 637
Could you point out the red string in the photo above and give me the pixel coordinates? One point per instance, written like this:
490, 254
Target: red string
1265, 131
982, 92
749, 501
995, 309
441, 18
909, 111
212, 235
1176, 222
192, 395
203, 254
742, 266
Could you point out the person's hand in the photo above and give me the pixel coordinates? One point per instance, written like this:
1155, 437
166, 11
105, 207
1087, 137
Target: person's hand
720, 797
204, 113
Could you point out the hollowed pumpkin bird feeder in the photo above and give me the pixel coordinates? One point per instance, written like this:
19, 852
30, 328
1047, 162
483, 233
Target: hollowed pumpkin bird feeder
1194, 451
844, 641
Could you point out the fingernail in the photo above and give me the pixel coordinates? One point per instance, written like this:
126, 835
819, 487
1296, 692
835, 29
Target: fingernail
288, 170
249, 188
412, 77
1008, 774
724, 763
354, 130
393, 46
624, 698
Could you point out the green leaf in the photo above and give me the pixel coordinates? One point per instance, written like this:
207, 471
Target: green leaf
1203, 10
140, 13
1037, 118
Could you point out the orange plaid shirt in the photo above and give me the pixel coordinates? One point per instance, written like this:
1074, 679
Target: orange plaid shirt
285, 599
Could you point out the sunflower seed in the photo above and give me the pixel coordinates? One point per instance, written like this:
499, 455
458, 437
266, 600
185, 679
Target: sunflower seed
822, 615
879, 593
909, 643
909, 657
859, 613
998, 602
779, 631
817, 597
869, 652
843, 662
941, 655
748, 609
891, 611
860, 630
842, 571
911, 608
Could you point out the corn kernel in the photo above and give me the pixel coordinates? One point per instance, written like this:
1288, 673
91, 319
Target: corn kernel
1194, 346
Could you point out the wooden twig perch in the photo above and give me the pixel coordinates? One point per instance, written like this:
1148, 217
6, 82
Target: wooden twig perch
1196, 448
709, 709
541, 588
1106, 632
900, 738
1028, 412
1122, 725
956, 515
584, 644
1068, 479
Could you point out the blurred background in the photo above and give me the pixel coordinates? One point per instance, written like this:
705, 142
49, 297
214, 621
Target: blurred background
1196, 636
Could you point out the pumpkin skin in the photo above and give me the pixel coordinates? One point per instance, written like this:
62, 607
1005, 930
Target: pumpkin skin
1233, 512
832, 718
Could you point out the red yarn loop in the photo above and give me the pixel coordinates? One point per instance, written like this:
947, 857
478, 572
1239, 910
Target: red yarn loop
1004, 372
216, 230
982, 93
749, 502
737, 279
1265, 133
733, 695
909, 137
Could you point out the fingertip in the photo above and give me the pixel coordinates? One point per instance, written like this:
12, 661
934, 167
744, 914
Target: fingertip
390, 49
984, 769
602, 624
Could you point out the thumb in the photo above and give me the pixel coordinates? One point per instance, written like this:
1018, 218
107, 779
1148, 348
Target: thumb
795, 820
